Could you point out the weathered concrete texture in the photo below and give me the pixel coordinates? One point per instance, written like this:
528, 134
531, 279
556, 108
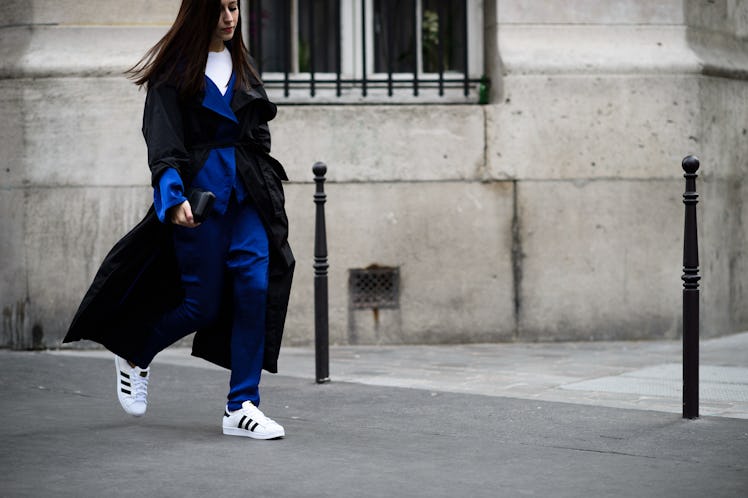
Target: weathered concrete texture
77, 12
587, 126
596, 49
723, 203
14, 292
64, 234
723, 128
451, 241
78, 131
600, 259
739, 260
41, 51
591, 11
382, 143
567, 120
727, 16
722, 239
13, 132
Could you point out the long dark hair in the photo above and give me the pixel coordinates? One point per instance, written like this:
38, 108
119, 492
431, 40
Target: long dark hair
180, 56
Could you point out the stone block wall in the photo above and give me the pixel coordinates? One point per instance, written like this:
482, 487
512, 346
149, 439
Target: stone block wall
553, 213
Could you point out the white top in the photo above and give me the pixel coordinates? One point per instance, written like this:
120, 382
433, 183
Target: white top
218, 69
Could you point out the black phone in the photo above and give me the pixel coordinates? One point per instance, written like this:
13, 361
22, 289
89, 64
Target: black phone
201, 203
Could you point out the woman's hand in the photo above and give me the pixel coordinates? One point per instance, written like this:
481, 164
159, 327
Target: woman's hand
181, 214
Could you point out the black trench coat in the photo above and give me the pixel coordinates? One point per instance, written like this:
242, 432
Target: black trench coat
139, 278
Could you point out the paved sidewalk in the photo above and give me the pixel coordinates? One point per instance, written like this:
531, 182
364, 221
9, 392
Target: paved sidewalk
580, 419
645, 375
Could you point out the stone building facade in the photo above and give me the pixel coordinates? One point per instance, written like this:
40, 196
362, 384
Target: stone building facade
551, 212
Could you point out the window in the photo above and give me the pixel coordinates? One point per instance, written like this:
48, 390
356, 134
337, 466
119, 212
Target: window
367, 50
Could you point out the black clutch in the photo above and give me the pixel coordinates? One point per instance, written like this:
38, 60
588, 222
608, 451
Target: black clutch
201, 203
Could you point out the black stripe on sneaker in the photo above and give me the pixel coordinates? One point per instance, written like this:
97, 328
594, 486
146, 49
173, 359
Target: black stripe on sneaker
123, 374
246, 427
125, 391
254, 426
241, 422
125, 383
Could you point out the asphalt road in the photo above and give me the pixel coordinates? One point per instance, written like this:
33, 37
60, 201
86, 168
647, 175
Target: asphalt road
64, 434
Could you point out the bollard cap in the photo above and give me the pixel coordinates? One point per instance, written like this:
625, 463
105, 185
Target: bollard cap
690, 164
319, 169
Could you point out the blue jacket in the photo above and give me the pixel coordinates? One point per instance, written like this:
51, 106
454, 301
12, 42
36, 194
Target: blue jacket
218, 174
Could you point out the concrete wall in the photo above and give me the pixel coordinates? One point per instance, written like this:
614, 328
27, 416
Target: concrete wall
599, 102
553, 213
73, 173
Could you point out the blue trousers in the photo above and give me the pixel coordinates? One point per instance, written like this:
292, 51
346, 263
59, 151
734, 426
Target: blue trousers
235, 246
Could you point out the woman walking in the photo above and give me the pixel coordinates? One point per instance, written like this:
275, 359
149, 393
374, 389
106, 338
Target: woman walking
226, 275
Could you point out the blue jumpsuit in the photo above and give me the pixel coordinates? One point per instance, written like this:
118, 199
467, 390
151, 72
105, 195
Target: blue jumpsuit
231, 244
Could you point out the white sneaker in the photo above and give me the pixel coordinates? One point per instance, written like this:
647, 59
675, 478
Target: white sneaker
249, 421
132, 387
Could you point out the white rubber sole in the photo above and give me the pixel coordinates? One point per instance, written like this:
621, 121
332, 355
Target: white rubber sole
236, 431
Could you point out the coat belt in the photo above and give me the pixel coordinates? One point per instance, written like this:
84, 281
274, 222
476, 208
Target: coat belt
222, 144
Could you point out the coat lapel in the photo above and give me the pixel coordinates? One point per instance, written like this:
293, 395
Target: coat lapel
217, 102
243, 98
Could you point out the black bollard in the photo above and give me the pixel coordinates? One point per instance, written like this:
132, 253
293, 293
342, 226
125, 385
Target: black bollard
690, 293
321, 324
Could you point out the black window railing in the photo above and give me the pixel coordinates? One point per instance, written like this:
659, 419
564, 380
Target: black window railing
400, 47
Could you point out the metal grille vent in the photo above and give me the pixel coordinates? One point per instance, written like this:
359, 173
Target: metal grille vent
374, 287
